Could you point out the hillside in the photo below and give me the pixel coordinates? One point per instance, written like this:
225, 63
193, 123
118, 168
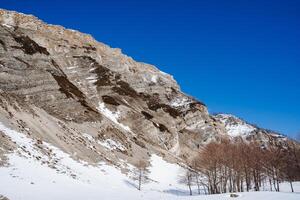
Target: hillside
28, 178
77, 115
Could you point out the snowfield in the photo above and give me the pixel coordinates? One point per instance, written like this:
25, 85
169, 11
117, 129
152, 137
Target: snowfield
26, 178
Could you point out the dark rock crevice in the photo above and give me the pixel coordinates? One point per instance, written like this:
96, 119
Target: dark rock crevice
123, 88
110, 100
161, 127
71, 91
3, 45
29, 46
147, 115
24, 62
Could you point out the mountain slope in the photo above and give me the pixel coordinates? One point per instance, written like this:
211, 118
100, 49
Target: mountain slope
59, 85
75, 111
29, 178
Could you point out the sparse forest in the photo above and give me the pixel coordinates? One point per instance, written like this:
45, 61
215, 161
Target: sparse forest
238, 166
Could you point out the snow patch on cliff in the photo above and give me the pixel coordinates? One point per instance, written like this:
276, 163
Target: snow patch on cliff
113, 116
235, 126
180, 101
112, 145
238, 130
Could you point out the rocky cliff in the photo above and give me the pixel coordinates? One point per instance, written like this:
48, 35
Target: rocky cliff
62, 87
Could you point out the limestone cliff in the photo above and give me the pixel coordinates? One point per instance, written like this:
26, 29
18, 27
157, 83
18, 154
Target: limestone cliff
64, 87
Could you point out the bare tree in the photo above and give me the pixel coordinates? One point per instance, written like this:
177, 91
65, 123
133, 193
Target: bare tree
291, 164
187, 178
140, 174
236, 165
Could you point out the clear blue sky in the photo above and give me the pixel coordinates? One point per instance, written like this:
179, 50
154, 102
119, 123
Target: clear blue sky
239, 57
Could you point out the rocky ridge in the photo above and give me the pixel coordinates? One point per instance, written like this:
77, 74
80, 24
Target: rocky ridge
238, 128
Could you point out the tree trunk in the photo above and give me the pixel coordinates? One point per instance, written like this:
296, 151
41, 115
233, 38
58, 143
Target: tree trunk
292, 188
191, 193
242, 185
140, 180
274, 185
230, 184
198, 184
247, 182
205, 190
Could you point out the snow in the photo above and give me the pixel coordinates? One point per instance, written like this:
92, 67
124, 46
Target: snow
26, 178
113, 116
182, 101
89, 137
112, 145
63, 162
164, 73
34, 181
92, 79
107, 143
92, 69
239, 128
154, 78
21, 140
6, 25
72, 67
164, 175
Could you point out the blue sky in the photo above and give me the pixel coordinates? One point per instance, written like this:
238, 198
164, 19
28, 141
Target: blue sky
239, 57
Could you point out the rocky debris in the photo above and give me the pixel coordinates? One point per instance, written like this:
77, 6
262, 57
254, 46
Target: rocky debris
6, 146
3, 197
234, 195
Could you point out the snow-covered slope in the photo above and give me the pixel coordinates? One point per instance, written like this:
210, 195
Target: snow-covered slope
29, 180
31, 176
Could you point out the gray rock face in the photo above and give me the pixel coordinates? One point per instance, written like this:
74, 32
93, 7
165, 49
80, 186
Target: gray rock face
60, 85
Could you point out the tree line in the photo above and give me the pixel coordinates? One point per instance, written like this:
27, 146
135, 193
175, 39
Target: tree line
238, 166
